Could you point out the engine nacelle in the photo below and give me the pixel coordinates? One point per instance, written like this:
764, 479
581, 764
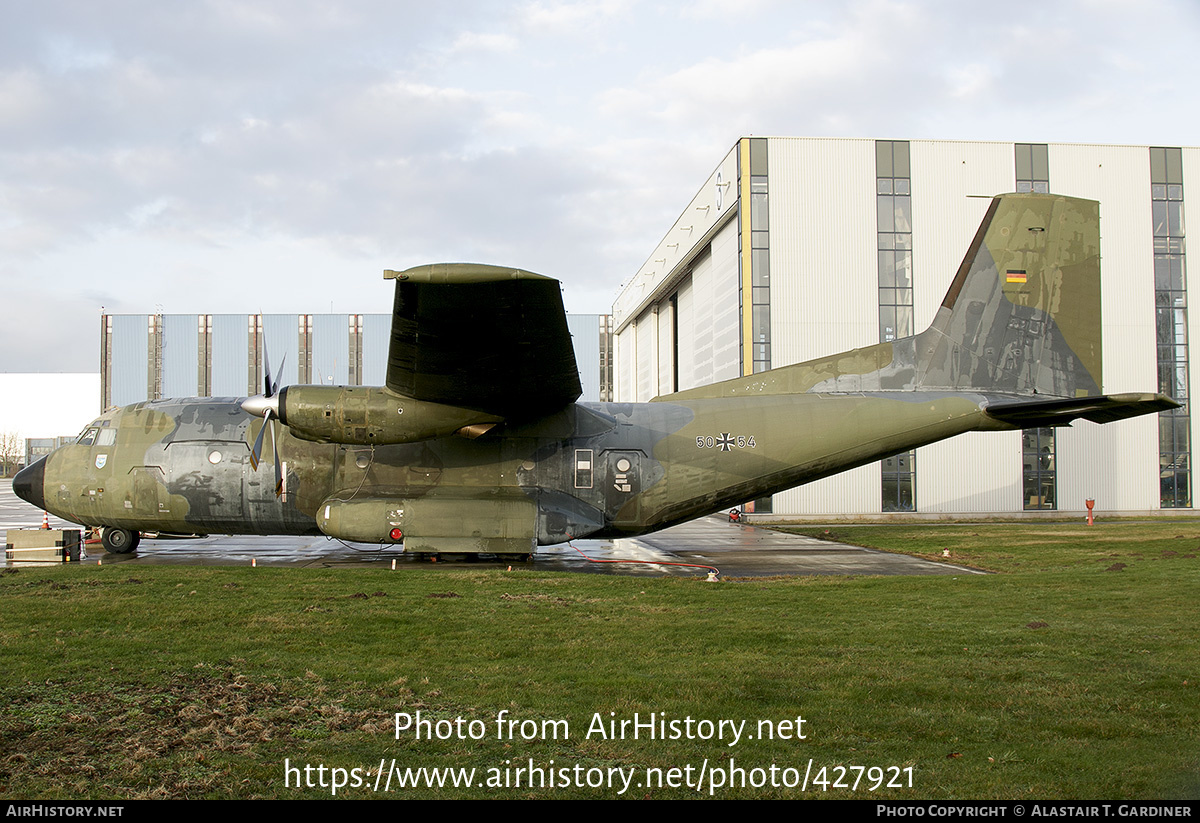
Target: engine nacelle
368, 415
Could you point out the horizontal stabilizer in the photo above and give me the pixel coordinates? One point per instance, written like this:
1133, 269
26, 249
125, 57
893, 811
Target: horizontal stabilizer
1060, 412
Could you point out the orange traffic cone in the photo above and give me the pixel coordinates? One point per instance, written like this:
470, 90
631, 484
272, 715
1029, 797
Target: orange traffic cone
45, 520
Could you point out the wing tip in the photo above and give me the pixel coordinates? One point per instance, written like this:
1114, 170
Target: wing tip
461, 273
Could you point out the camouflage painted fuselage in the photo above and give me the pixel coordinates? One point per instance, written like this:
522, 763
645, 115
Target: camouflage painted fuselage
183, 466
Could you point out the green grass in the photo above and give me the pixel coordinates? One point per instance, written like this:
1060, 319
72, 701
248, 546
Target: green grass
1072, 674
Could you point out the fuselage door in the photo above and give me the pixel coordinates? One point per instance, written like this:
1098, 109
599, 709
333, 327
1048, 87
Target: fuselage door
146, 499
209, 476
622, 485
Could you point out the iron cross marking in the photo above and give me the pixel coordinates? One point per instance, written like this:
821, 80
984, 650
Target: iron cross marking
725, 442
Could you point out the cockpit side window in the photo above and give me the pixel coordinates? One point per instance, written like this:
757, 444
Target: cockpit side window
88, 437
107, 437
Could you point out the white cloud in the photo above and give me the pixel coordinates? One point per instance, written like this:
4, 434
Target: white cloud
470, 41
145, 213
23, 100
554, 16
970, 80
63, 54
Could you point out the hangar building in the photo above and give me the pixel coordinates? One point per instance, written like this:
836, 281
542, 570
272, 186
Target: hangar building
150, 356
795, 248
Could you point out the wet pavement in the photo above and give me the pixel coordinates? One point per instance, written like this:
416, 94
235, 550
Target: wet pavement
687, 550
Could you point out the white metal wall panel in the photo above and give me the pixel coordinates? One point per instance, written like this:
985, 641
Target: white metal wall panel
855, 491
726, 308
230, 355
702, 298
647, 360
331, 349
585, 337
1116, 464
687, 331
282, 333
975, 472
666, 349
625, 346
376, 339
180, 355
824, 294
952, 186
130, 359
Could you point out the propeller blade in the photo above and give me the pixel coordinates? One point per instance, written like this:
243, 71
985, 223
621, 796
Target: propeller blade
266, 370
275, 386
256, 452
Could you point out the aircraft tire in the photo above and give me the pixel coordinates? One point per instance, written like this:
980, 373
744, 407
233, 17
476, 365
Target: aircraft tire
119, 541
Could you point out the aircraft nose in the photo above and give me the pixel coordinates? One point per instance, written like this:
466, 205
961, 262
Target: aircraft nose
27, 484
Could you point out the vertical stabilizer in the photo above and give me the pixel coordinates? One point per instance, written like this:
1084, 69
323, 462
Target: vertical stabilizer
1023, 313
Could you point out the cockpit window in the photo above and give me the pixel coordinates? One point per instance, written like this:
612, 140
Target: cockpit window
107, 437
88, 437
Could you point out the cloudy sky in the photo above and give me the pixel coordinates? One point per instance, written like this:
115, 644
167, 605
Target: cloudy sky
247, 155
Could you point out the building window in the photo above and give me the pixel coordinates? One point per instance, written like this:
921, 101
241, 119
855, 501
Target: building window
893, 200
1170, 299
899, 479
1038, 457
754, 261
1037, 450
1033, 167
756, 289
893, 222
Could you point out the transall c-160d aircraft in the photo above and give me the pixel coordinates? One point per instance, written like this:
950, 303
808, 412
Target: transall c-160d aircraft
477, 444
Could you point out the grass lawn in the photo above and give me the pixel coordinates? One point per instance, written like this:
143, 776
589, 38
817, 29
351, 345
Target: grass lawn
1072, 673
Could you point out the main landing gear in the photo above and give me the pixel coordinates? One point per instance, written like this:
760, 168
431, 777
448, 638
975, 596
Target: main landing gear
119, 541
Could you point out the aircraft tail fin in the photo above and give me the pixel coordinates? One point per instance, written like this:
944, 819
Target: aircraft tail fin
1022, 315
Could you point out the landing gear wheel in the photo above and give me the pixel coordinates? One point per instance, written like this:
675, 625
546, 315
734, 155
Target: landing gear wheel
120, 541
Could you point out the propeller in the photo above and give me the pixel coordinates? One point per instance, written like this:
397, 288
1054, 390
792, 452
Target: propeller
266, 406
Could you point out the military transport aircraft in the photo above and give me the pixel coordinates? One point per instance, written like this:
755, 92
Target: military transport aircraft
476, 443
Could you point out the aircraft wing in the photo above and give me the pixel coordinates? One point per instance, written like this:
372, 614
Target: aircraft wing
1060, 411
481, 337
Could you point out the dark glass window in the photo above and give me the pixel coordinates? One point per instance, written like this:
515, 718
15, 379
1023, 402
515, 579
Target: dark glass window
1170, 324
893, 216
1033, 167
1037, 451
899, 486
756, 295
